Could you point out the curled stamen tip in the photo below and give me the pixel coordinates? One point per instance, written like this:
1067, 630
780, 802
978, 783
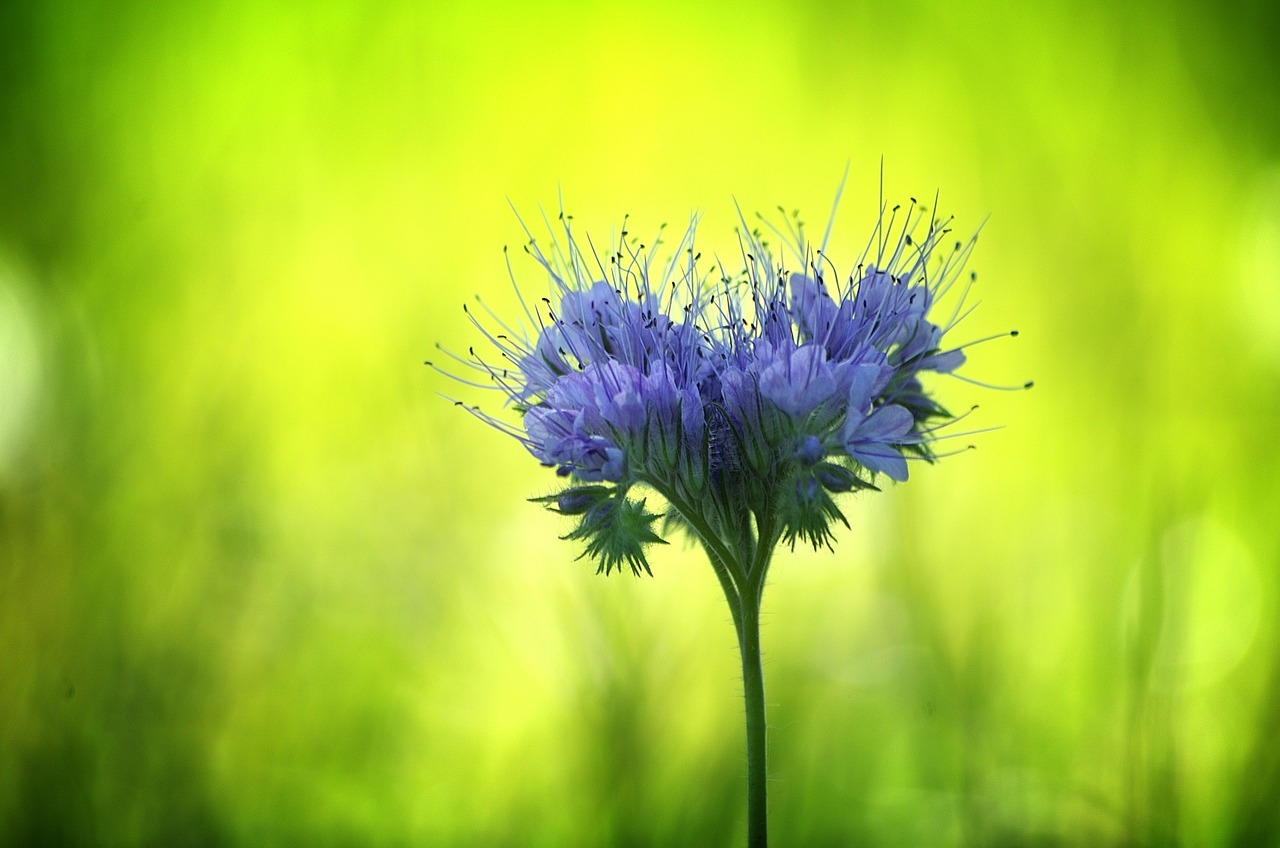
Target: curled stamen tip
1013, 333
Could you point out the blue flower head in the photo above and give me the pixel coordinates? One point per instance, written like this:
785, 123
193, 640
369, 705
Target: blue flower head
746, 401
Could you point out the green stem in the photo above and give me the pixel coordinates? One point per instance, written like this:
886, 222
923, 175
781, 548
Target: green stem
724, 573
742, 579
753, 694
728, 572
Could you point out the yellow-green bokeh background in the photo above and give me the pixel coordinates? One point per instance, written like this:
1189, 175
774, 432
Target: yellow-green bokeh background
260, 585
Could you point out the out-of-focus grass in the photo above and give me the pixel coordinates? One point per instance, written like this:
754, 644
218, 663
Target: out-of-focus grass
259, 585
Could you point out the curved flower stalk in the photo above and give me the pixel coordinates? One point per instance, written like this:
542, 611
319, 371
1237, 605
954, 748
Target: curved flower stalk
747, 402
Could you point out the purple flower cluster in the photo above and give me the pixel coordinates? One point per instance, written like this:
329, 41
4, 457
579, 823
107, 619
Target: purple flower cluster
747, 400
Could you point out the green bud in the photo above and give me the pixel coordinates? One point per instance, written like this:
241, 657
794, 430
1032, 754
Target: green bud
574, 500
616, 530
835, 478
808, 514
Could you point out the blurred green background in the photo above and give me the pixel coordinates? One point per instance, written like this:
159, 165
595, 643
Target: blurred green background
260, 585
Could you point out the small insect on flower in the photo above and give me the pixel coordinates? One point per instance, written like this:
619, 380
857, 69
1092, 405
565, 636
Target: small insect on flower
745, 401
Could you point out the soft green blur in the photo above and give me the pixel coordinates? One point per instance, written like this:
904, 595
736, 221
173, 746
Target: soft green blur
260, 585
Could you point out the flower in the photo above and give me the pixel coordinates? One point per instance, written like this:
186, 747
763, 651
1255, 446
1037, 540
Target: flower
745, 401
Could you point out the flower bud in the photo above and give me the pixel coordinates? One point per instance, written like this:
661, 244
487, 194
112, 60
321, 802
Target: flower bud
617, 530
575, 500
835, 478
809, 451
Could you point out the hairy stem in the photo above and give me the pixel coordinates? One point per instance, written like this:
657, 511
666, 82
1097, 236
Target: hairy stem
742, 579
753, 694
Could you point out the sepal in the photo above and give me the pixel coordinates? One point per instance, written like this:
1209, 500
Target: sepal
807, 512
616, 530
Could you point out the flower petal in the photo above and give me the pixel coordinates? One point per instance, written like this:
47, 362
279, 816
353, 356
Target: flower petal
883, 459
886, 424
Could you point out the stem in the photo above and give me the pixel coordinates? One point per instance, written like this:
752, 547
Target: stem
753, 694
742, 579
728, 572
